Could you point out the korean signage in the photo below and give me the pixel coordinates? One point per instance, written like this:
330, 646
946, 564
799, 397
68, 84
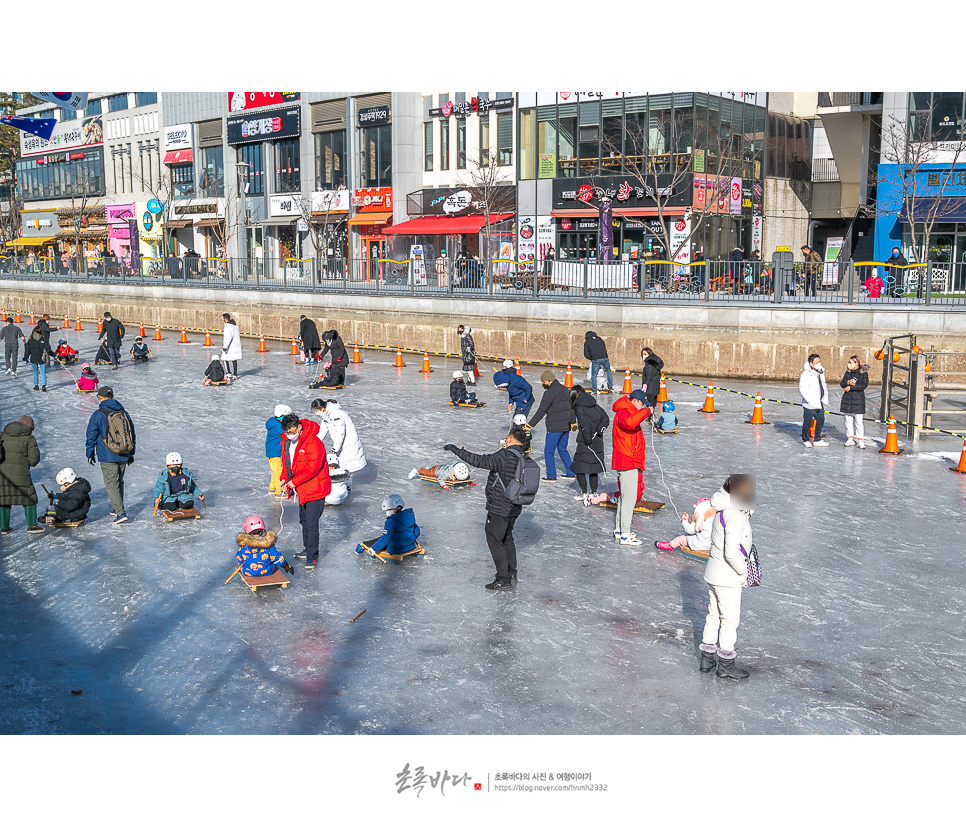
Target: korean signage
577, 224
373, 116
437, 201
177, 137
117, 219
462, 109
75, 134
457, 202
757, 222
249, 101
735, 195
270, 124
626, 192
284, 205
526, 243
372, 199
192, 209
548, 166
39, 223
680, 229
326, 201
713, 194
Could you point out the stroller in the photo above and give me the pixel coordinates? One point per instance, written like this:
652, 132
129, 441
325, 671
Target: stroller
103, 357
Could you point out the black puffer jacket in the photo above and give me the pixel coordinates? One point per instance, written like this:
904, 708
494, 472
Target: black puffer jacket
853, 401
592, 422
113, 332
34, 349
555, 406
74, 503
502, 466
651, 375
309, 334
335, 348
594, 347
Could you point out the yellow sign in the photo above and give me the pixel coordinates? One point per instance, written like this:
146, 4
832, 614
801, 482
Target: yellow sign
783, 248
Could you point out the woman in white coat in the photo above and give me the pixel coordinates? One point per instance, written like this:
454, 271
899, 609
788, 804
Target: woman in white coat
231, 349
342, 433
726, 574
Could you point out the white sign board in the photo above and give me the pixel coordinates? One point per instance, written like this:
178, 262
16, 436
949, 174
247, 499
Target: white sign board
324, 201
417, 265
526, 244
284, 205
177, 137
457, 202
680, 232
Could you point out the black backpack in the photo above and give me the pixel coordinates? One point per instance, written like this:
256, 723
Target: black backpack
523, 487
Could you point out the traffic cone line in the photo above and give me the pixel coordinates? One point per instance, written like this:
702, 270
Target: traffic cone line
78, 325
157, 332
811, 429
141, 330
66, 322
184, 336
426, 369
708, 407
569, 377
33, 318
628, 382
662, 394
208, 338
100, 326
295, 347
516, 367
261, 344
892, 440
399, 358
356, 358
758, 415
18, 320
961, 468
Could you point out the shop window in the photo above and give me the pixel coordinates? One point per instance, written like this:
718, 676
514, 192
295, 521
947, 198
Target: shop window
117, 102
213, 172
330, 160
144, 99
427, 146
182, 180
612, 137
427, 106
288, 176
148, 160
93, 107
444, 145
567, 141
546, 145
83, 177
635, 130
947, 116
526, 143
377, 153
504, 138
253, 176
484, 137
67, 115
460, 98
461, 143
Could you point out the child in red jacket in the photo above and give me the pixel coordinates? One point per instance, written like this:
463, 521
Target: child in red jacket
627, 460
305, 469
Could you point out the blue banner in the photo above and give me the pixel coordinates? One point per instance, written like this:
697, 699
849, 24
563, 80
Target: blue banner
44, 128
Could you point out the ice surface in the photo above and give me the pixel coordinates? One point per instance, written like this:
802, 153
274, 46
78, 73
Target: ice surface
857, 629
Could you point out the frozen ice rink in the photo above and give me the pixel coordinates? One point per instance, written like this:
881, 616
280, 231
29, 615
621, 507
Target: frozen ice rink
858, 627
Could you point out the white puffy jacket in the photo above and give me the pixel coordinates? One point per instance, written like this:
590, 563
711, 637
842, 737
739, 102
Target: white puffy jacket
231, 348
345, 439
813, 387
730, 532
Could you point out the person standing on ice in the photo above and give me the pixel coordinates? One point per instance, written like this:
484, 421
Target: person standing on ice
112, 336
343, 437
588, 462
855, 381
627, 460
112, 441
518, 389
20, 454
555, 406
231, 348
467, 353
309, 336
305, 469
726, 574
596, 351
814, 390
273, 440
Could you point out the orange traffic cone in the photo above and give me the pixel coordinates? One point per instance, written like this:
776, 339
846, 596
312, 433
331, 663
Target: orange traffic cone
18, 320
295, 347
3, 316
141, 330
961, 469
628, 382
207, 338
184, 336
356, 358
892, 440
399, 360
33, 318
78, 325
100, 326
66, 323
476, 370
516, 367
569, 377
758, 415
157, 332
426, 369
708, 407
261, 344
811, 430
662, 394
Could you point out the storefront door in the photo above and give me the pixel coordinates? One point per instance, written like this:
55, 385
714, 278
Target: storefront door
374, 251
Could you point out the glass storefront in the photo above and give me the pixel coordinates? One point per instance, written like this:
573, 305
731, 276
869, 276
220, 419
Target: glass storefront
64, 174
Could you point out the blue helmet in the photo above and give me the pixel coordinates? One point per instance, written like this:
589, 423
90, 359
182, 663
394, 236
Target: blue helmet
669, 406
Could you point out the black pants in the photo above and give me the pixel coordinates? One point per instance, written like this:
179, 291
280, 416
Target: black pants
177, 504
499, 538
231, 366
310, 514
582, 482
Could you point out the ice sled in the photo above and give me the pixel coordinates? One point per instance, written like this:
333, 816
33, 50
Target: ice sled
661, 431
52, 523
395, 558
219, 382
640, 507
277, 579
703, 555
315, 386
178, 515
477, 404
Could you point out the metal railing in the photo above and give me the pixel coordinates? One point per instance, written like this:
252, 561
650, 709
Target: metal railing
851, 283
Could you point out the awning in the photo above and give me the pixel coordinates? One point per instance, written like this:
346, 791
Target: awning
949, 209
371, 218
669, 211
31, 241
331, 213
209, 222
174, 157
467, 224
178, 224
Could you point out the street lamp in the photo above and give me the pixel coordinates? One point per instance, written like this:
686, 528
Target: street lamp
242, 188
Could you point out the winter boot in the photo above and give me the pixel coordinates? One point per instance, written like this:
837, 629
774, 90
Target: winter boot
709, 658
727, 667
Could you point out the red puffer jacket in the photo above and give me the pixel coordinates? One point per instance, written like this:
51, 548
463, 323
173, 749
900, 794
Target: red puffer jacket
629, 445
310, 471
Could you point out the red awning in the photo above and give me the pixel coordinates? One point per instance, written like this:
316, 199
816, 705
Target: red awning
669, 211
174, 157
467, 224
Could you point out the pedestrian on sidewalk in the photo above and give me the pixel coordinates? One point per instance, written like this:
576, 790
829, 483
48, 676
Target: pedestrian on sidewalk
11, 350
112, 336
112, 442
855, 381
814, 391
555, 406
628, 459
20, 454
33, 354
305, 470
810, 270
596, 351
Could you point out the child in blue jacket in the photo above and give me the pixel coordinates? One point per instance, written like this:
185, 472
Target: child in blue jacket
518, 389
175, 488
256, 550
273, 446
401, 533
668, 421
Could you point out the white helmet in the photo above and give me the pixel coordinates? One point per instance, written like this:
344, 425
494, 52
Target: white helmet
282, 411
507, 363
66, 476
457, 374
392, 503
173, 459
461, 471
332, 458
519, 419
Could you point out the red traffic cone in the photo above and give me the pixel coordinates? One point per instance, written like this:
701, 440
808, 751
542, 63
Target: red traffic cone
295, 347
708, 407
157, 332
141, 330
961, 469
662, 394
100, 326
33, 318
476, 370
892, 440
811, 429
66, 323
207, 338
78, 325
628, 382
356, 358
184, 336
516, 367
569, 377
426, 369
19, 320
261, 344
399, 360
758, 415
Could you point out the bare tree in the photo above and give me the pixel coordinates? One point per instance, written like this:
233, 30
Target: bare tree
84, 201
322, 220
161, 188
491, 195
918, 179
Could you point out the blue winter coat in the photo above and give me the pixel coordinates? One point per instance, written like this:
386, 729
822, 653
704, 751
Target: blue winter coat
400, 534
273, 437
668, 422
519, 390
258, 555
162, 487
97, 431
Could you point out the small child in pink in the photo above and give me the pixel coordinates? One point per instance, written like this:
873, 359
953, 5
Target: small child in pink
697, 530
88, 379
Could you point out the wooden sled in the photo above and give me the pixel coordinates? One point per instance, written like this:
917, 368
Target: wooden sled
703, 555
661, 431
180, 515
277, 579
72, 361
642, 507
394, 558
219, 382
477, 404
315, 387
446, 484
52, 523
82, 391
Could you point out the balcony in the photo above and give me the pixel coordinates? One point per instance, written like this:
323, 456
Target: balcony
865, 100
824, 170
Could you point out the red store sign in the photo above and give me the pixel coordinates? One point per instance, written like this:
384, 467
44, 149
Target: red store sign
372, 199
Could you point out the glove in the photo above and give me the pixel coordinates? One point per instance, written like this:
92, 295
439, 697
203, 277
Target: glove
573, 427
92, 460
449, 447
359, 548
528, 427
288, 568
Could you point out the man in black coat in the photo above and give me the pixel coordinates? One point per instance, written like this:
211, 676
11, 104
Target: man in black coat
112, 335
309, 335
555, 406
896, 274
501, 515
596, 351
46, 328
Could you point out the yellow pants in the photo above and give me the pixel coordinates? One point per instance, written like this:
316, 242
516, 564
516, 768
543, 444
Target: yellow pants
275, 484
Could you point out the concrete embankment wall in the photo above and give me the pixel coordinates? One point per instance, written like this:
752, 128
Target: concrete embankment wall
717, 340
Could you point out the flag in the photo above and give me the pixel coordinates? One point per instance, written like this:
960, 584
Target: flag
73, 101
44, 128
